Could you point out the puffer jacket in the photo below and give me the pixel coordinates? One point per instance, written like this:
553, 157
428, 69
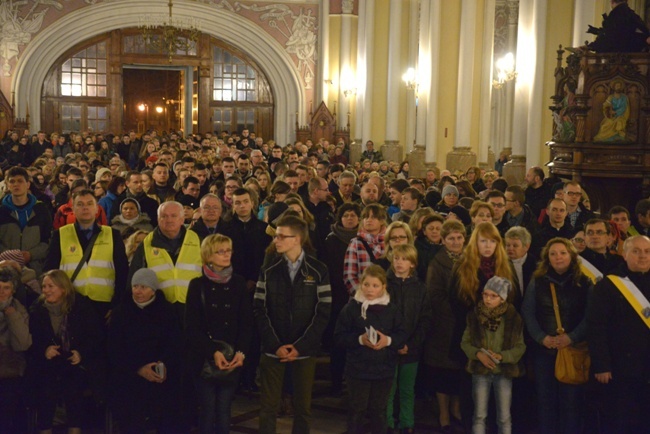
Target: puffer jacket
292, 312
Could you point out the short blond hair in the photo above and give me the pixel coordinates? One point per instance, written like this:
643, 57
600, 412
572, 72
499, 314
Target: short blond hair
406, 251
211, 244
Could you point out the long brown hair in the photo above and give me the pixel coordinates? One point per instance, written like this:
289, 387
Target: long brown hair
470, 262
60, 279
544, 264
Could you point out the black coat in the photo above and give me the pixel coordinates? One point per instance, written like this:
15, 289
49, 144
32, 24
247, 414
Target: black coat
606, 263
249, 242
227, 316
202, 230
335, 248
619, 32
362, 362
547, 232
411, 296
148, 205
537, 198
619, 342
137, 337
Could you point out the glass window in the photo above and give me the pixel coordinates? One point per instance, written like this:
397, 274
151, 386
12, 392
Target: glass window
70, 117
234, 79
85, 73
97, 118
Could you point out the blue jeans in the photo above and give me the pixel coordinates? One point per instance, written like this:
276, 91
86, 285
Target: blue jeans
215, 400
481, 385
559, 404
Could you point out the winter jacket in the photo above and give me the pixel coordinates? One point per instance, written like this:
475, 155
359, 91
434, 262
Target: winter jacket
249, 241
411, 296
507, 340
362, 362
26, 228
292, 312
336, 244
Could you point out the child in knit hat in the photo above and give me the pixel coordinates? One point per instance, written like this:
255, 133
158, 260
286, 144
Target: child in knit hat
494, 344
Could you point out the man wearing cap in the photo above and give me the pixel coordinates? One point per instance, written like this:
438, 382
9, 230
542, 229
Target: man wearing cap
93, 256
25, 223
172, 252
618, 333
135, 190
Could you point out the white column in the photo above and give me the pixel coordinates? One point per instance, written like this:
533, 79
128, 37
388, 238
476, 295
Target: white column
485, 121
323, 55
526, 131
583, 15
346, 75
423, 75
370, 46
412, 63
362, 72
509, 98
431, 120
465, 92
394, 67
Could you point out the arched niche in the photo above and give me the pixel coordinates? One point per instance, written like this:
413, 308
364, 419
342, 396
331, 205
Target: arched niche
89, 22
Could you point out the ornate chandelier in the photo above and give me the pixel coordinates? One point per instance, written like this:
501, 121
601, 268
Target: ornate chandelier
169, 35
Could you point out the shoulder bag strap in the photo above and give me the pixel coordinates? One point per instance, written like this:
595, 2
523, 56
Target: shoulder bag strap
87, 253
556, 309
373, 259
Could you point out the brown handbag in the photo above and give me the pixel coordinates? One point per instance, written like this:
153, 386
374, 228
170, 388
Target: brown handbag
572, 363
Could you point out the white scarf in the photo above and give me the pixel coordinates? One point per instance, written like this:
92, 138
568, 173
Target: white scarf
519, 270
146, 303
358, 296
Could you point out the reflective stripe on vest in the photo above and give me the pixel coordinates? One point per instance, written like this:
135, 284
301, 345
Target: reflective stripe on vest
174, 279
634, 296
589, 270
96, 279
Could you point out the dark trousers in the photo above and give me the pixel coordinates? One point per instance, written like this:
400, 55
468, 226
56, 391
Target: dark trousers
560, 405
215, 400
369, 396
627, 405
68, 385
272, 372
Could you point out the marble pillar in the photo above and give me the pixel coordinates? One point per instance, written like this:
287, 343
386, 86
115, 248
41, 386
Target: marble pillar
417, 165
346, 79
391, 150
486, 112
322, 93
365, 56
394, 80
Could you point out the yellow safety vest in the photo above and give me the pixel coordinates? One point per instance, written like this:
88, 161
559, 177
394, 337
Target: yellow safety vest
96, 279
174, 279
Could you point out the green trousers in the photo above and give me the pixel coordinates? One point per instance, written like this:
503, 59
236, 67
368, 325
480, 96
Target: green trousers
404, 385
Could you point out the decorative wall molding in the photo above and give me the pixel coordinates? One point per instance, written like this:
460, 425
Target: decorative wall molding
48, 45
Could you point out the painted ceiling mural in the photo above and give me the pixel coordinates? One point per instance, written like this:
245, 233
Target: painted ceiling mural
293, 25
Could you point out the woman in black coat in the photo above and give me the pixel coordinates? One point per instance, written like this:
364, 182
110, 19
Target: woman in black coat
66, 340
144, 347
218, 308
336, 244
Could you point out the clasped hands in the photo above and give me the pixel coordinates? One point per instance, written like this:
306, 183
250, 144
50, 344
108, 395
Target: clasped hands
287, 353
224, 365
382, 341
53, 351
148, 373
557, 342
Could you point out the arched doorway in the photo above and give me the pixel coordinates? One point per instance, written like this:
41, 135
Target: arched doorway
90, 22
219, 88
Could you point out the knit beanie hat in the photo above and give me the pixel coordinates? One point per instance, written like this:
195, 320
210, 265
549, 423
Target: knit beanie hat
145, 277
449, 189
499, 285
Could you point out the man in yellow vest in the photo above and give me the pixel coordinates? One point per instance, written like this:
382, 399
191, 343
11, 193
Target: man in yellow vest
93, 256
172, 252
618, 333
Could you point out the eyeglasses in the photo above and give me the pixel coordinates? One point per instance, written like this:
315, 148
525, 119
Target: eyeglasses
283, 236
498, 205
578, 240
212, 208
489, 295
573, 193
222, 252
600, 232
399, 238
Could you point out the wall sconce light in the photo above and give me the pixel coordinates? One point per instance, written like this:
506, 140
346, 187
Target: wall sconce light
142, 107
349, 92
159, 109
505, 70
410, 79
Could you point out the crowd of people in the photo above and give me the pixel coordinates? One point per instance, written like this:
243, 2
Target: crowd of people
161, 274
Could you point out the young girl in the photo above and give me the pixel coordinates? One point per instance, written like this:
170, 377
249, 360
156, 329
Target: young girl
410, 294
494, 344
370, 367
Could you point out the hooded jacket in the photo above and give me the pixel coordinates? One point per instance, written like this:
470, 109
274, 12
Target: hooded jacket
26, 228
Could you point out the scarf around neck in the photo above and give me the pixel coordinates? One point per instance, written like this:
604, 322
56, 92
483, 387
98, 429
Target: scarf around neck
487, 266
490, 318
358, 296
218, 276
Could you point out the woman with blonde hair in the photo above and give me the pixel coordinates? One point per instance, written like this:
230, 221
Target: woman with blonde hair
396, 233
67, 335
484, 257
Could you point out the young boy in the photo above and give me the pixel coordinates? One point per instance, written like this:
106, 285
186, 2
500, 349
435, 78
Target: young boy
494, 343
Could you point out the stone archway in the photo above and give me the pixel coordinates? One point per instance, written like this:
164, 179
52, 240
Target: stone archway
94, 20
